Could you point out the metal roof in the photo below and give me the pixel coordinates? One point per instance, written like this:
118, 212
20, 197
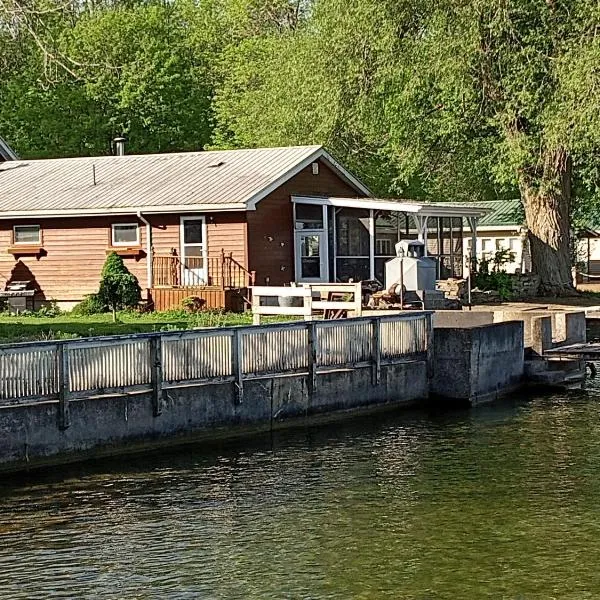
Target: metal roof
6, 152
179, 182
502, 213
425, 209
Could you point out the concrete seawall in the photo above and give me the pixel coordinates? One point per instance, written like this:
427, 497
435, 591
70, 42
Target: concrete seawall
115, 424
478, 364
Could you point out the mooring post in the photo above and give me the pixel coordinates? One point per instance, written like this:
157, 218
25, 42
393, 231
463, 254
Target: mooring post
156, 374
376, 351
64, 386
312, 357
237, 364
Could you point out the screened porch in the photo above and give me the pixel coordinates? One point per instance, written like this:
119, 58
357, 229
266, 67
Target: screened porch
338, 239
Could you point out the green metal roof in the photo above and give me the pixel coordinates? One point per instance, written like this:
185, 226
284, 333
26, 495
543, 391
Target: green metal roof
502, 213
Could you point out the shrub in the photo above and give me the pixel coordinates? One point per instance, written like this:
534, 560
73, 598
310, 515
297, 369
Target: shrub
48, 310
119, 289
90, 305
193, 304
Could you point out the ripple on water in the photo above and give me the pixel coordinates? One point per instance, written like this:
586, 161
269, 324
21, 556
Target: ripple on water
499, 502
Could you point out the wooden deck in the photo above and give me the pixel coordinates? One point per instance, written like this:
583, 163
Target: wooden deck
212, 297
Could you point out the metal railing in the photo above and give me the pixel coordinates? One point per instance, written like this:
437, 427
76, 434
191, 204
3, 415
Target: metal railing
61, 371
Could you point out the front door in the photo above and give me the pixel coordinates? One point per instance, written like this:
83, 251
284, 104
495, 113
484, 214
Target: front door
311, 256
193, 251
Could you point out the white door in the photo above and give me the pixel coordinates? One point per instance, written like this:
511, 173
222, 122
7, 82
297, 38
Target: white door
311, 256
193, 251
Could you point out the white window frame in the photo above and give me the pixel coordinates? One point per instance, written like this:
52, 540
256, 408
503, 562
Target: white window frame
130, 224
38, 243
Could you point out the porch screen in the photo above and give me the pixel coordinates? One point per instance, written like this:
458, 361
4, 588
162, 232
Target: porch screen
445, 243
352, 244
390, 228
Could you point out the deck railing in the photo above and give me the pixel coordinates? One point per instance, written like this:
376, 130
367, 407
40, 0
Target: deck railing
221, 271
61, 371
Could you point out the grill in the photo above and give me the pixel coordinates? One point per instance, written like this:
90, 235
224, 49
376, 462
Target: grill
18, 296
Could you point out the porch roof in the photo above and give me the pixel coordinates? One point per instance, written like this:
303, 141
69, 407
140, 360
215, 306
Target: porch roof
423, 209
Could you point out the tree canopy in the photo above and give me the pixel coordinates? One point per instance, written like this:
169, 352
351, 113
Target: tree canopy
444, 100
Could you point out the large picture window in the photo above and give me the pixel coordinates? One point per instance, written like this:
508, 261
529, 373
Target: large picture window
125, 234
27, 234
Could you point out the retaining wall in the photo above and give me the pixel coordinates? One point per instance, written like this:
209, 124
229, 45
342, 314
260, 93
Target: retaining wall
478, 364
31, 436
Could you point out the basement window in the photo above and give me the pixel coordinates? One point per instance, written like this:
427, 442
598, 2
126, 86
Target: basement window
125, 234
30, 235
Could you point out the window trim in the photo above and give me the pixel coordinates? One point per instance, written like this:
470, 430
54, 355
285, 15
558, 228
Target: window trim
113, 242
17, 243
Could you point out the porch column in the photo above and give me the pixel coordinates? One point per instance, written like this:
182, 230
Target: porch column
472, 221
371, 244
421, 224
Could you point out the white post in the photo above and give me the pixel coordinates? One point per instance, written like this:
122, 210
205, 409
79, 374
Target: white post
371, 244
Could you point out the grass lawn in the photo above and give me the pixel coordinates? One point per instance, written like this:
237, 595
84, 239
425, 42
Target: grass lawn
17, 328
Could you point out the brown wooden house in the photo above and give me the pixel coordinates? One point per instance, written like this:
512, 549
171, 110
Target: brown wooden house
206, 224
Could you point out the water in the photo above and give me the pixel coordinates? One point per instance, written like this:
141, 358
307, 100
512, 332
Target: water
497, 502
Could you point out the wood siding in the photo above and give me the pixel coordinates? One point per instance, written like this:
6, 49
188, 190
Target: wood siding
271, 225
74, 250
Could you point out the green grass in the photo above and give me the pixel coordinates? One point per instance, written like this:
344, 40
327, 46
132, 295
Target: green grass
21, 328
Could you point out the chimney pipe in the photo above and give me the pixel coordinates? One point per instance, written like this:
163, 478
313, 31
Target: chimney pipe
119, 146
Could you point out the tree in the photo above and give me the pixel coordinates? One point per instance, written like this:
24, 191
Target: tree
438, 99
119, 289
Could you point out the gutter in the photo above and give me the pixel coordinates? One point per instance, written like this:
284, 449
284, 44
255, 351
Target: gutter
149, 260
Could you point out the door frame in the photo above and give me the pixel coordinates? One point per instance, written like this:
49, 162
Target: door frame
182, 245
323, 248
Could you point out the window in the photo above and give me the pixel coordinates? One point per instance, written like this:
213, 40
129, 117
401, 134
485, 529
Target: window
125, 234
27, 234
309, 216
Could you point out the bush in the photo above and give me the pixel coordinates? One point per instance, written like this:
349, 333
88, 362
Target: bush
48, 310
193, 304
119, 289
90, 305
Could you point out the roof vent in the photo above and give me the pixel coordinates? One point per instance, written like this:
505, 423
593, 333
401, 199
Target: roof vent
119, 146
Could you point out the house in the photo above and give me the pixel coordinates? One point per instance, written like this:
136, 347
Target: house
502, 228
207, 224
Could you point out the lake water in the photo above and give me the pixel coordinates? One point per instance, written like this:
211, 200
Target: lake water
495, 502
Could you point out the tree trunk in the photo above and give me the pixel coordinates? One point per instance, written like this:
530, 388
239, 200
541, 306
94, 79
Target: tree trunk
547, 214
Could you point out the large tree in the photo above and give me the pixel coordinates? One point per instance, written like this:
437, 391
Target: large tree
440, 99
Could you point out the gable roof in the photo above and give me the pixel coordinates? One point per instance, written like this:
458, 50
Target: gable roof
155, 183
6, 152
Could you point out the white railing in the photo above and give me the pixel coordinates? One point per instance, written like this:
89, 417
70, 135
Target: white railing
307, 300
66, 370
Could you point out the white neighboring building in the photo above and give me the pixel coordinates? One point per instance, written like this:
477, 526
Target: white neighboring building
499, 230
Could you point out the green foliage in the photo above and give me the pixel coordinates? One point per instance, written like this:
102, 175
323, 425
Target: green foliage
119, 289
495, 278
90, 305
193, 304
49, 310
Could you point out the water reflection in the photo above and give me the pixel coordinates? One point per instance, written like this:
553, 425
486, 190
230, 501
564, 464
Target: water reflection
498, 502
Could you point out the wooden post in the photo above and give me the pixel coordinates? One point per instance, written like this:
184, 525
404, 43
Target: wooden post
312, 358
237, 365
307, 301
156, 374
255, 305
64, 387
376, 356
358, 299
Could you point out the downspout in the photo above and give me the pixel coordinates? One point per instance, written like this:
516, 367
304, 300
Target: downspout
148, 248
